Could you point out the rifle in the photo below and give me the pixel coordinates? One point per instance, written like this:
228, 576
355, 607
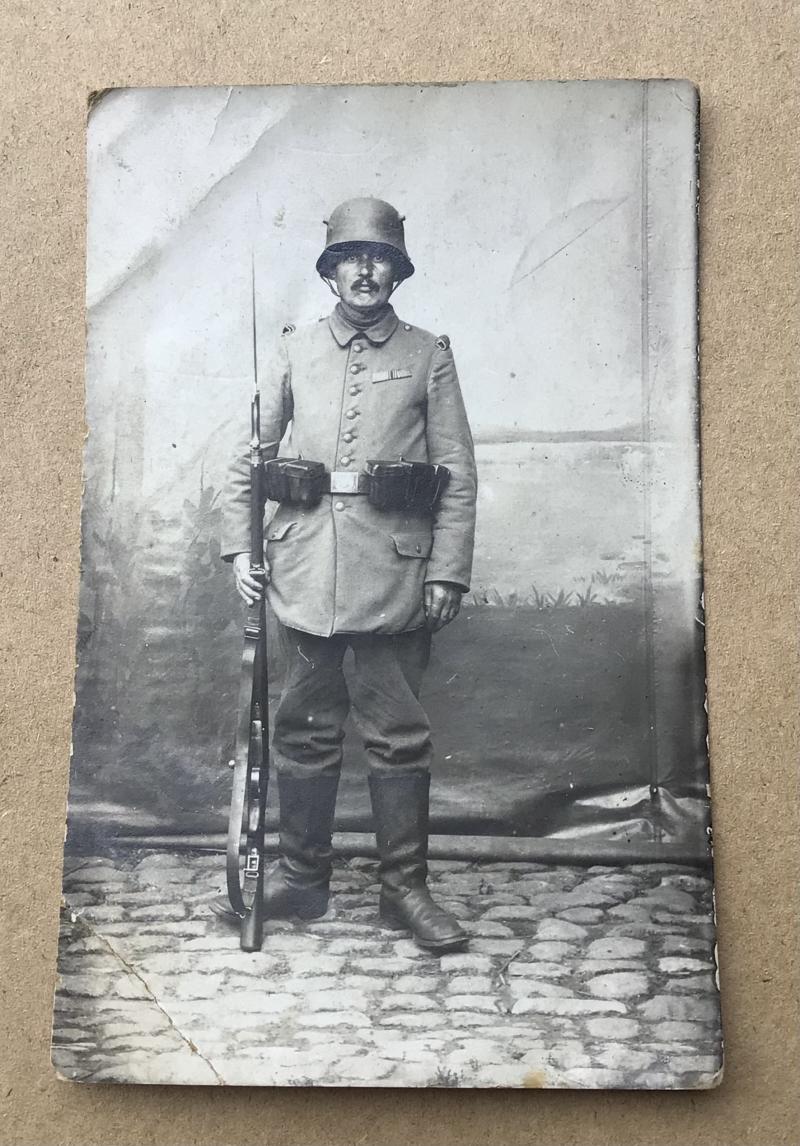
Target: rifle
246, 820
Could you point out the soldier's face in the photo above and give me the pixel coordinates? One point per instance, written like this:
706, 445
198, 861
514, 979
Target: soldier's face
364, 278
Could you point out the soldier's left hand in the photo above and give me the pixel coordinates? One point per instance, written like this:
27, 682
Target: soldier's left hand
442, 603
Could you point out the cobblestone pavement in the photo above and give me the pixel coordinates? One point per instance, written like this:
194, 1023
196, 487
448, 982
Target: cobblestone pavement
576, 977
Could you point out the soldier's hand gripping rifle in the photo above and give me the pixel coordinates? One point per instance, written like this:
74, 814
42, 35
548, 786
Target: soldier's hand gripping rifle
246, 822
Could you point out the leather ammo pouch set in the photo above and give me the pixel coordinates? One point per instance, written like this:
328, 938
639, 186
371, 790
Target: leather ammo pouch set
386, 484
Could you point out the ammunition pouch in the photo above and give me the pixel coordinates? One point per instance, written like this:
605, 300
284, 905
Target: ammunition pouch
294, 481
405, 485
386, 484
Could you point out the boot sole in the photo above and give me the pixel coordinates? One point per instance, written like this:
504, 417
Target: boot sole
309, 914
228, 915
392, 924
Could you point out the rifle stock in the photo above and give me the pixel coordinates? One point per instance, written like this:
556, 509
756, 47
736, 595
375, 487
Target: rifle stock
253, 923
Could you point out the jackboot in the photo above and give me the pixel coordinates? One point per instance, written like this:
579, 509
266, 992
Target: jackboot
400, 808
298, 883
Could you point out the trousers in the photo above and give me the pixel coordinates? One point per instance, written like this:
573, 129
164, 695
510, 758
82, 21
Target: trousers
383, 694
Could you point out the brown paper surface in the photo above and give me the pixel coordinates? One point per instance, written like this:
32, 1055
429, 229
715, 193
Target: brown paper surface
739, 54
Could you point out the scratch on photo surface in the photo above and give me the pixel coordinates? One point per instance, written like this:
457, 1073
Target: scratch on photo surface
83, 924
221, 113
152, 251
582, 218
680, 101
545, 633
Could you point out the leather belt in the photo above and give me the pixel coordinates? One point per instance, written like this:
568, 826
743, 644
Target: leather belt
388, 484
346, 482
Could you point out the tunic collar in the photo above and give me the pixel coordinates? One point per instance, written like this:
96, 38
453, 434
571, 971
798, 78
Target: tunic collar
381, 330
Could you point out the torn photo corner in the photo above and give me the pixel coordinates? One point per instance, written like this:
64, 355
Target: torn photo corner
389, 747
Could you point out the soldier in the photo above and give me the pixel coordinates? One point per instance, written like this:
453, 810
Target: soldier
377, 572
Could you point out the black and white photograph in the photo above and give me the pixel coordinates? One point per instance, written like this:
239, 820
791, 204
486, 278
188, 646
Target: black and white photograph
389, 756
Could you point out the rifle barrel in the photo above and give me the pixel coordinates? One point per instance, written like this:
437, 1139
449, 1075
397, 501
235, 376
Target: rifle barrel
253, 301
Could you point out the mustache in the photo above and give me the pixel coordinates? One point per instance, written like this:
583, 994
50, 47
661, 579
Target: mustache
367, 282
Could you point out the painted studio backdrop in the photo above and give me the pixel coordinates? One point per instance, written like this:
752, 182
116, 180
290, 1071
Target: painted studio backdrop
552, 228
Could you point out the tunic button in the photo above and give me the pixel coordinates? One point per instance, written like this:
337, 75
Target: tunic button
339, 505
406, 326
354, 369
418, 548
345, 460
357, 347
355, 390
351, 414
348, 437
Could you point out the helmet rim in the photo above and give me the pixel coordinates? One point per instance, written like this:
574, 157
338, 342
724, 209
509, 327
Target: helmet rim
327, 261
365, 222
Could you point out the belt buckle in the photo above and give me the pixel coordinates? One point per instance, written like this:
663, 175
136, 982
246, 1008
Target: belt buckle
344, 481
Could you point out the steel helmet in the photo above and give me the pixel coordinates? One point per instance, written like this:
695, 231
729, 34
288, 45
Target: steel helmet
361, 222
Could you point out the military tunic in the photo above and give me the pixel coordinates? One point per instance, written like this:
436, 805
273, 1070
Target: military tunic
348, 396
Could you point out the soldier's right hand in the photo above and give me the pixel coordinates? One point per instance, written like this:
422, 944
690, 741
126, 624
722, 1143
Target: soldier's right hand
247, 586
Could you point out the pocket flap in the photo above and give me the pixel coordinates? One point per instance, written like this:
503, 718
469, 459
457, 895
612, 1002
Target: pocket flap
413, 544
278, 532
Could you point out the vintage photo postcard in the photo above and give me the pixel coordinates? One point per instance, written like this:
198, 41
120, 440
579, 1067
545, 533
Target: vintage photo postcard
389, 758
